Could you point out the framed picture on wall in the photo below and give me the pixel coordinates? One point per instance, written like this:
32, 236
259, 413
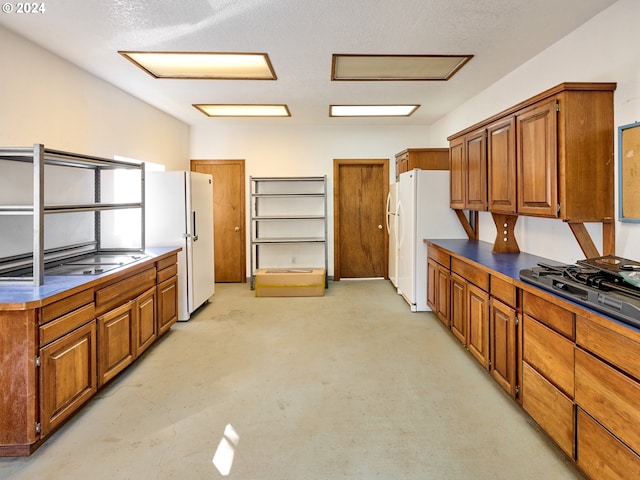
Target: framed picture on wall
629, 172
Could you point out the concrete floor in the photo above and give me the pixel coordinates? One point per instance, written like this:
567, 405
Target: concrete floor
350, 385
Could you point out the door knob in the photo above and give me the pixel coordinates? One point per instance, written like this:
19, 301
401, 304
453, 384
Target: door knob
379, 227
236, 229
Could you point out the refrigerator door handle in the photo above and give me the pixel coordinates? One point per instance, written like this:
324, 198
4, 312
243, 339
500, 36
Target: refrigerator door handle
388, 213
398, 232
195, 233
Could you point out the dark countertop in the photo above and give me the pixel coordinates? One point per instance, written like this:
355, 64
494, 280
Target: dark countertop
16, 292
509, 264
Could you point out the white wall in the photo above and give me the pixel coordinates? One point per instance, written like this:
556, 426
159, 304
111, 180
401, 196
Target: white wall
303, 151
45, 99
605, 49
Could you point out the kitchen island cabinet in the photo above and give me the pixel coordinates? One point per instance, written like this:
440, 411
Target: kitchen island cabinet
575, 372
64, 340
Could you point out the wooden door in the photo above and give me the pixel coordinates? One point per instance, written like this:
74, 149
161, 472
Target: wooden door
229, 237
537, 160
501, 165
361, 244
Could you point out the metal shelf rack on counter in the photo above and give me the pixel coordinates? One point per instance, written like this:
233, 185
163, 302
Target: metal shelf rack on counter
29, 186
288, 212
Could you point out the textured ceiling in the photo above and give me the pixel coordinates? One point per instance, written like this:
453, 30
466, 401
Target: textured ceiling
300, 36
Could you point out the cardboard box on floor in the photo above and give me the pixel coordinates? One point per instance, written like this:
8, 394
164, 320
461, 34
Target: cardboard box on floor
290, 282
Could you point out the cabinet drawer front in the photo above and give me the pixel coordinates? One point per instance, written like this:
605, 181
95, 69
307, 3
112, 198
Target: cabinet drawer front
63, 325
124, 290
601, 455
552, 315
167, 262
609, 396
166, 273
503, 290
66, 305
549, 407
549, 353
440, 256
616, 349
471, 273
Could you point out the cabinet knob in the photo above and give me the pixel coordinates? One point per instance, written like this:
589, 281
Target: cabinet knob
379, 227
236, 229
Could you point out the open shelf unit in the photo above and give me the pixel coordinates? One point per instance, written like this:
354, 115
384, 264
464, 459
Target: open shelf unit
38, 156
288, 223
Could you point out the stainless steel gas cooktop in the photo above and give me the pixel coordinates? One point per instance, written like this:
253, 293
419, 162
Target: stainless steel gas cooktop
609, 284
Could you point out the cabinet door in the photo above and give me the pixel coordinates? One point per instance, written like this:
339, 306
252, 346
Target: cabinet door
442, 295
116, 345
459, 308
167, 300
476, 163
432, 282
478, 324
537, 168
146, 331
502, 328
501, 166
67, 376
457, 176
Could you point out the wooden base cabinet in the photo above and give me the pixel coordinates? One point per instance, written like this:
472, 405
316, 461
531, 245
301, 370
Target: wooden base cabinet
55, 354
600, 455
116, 349
438, 284
68, 376
502, 328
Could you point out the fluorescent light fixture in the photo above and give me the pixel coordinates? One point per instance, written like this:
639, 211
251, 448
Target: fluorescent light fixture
208, 65
396, 67
239, 110
372, 110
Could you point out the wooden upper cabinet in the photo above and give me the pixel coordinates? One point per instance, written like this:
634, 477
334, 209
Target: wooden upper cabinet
476, 150
537, 160
422, 158
549, 156
468, 169
458, 174
501, 166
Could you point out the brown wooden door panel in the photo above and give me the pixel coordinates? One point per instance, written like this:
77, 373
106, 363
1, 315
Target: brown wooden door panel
457, 173
458, 308
537, 160
68, 376
361, 242
476, 194
228, 217
501, 165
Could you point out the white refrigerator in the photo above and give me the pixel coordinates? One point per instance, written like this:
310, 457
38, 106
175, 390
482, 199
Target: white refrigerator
422, 212
179, 213
392, 203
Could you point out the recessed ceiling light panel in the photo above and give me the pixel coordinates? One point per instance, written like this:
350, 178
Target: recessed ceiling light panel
242, 110
396, 67
212, 66
372, 110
